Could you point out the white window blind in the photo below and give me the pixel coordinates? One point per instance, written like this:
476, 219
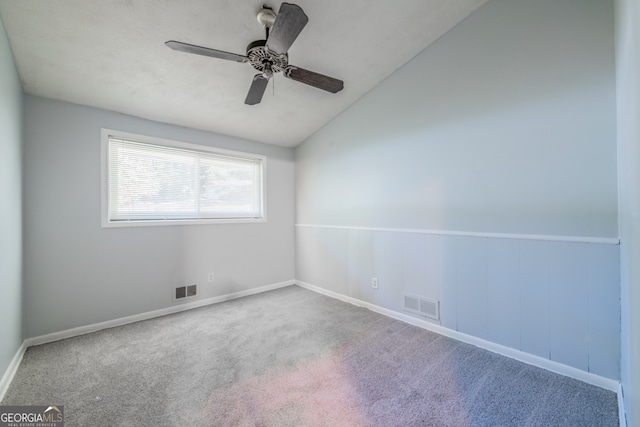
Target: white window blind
149, 182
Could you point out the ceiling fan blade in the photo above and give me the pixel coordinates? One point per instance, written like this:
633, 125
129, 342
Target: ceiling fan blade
205, 51
314, 79
257, 89
289, 23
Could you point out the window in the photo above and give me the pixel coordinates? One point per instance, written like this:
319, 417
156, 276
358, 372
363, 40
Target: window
149, 181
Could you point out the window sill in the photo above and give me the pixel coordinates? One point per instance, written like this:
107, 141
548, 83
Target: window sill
173, 222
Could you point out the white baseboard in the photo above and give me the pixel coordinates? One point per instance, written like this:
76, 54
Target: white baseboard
81, 330
512, 353
11, 370
621, 411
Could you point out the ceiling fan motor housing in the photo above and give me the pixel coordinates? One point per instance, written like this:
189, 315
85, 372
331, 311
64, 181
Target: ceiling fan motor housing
265, 61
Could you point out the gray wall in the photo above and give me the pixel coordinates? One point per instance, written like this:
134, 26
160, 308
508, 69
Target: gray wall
79, 273
11, 206
628, 68
507, 125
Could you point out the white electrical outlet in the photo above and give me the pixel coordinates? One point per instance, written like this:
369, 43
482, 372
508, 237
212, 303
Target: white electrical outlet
210, 278
374, 283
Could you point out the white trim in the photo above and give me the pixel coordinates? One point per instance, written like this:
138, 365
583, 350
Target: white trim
104, 185
551, 238
81, 330
11, 370
621, 411
170, 222
530, 359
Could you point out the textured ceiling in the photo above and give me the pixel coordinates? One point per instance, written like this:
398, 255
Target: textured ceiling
111, 55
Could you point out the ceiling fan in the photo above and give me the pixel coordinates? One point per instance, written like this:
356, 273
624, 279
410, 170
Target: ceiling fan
270, 56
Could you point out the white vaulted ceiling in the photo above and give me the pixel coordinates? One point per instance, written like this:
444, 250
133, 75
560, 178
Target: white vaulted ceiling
111, 55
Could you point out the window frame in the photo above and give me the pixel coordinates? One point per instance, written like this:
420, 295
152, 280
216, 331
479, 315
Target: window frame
104, 176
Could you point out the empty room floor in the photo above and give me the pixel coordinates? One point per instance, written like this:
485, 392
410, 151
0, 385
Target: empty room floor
292, 357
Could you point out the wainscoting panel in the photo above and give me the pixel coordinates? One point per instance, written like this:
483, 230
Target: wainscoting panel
414, 264
604, 330
472, 296
503, 292
533, 281
448, 289
568, 322
353, 253
554, 298
392, 271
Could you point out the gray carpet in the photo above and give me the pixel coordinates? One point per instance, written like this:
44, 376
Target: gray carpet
292, 357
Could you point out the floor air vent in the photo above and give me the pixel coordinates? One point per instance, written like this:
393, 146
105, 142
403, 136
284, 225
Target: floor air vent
426, 307
186, 292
